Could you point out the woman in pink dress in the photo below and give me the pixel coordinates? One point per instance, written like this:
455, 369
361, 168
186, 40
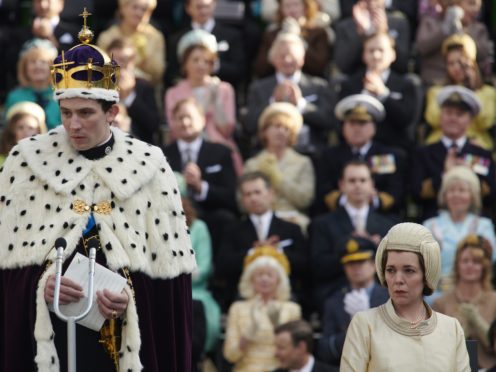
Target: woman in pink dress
197, 53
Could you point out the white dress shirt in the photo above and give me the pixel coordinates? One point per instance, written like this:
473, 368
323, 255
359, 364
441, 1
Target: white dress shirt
262, 224
307, 367
193, 148
358, 216
448, 143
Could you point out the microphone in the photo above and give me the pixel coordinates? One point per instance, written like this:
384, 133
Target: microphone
60, 243
93, 243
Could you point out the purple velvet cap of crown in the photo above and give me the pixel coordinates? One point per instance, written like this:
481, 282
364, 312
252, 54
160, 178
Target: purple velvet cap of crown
80, 55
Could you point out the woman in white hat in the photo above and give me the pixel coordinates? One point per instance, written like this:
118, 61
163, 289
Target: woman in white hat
291, 174
405, 334
197, 54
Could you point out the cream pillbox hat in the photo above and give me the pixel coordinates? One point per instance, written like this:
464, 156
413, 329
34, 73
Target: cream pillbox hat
412, 237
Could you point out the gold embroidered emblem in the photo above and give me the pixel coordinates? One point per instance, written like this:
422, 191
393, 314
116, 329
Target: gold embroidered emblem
80, 207
352, 246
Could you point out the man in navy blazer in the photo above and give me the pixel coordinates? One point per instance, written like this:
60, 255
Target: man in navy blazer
394, 90
458, 106
261, 226
354, 218
361, 293
207, 168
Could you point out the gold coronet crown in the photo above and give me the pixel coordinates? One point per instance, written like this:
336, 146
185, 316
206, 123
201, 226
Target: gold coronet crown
96, 70
270, 251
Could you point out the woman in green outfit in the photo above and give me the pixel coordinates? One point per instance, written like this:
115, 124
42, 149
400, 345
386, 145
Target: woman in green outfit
33, 76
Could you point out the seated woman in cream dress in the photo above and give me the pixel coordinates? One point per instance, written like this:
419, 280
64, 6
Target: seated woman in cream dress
291, 174
460, 54
264, 285
473, 300
405, 334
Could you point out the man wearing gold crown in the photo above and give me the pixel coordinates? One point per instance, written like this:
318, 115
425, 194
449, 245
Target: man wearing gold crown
85, 181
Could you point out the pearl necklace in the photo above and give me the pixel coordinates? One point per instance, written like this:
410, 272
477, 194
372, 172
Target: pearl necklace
422, 314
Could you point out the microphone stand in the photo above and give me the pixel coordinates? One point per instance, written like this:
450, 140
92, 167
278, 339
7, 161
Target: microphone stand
71, 320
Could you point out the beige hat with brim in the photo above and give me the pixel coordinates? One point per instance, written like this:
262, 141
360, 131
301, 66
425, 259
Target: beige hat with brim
412, 237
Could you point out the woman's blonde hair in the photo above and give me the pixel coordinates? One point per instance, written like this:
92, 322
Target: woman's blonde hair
246, 290
461, 173
281, 118
152, 4
311, 9
34, 50
286, 114
481, 250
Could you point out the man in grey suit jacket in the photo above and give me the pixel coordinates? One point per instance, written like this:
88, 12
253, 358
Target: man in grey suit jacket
311, 95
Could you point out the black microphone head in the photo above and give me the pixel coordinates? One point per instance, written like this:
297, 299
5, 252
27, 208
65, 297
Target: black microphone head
60, 242
93, 243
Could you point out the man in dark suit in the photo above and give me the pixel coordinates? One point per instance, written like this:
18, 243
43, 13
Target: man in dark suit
137, 95
48, 25
458, 106
359, 114
260, 227
294, 348
207, 168
231, 66
354, 218
395, 91
361, 293
409, 8
311, 95
370, 16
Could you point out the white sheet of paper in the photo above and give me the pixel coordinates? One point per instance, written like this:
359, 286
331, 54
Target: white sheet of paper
103, 279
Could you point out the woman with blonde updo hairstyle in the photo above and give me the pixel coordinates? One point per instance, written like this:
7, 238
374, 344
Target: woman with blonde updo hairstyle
291, 174
472, 301
265, 289
134, 25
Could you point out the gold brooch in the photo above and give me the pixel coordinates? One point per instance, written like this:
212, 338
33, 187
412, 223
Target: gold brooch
80, 207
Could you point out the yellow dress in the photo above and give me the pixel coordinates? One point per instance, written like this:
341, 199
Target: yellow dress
478, 131
379, 340
150, 50
259, 356
296, 187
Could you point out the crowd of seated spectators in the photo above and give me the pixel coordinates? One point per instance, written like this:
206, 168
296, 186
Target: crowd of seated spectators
305, 127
